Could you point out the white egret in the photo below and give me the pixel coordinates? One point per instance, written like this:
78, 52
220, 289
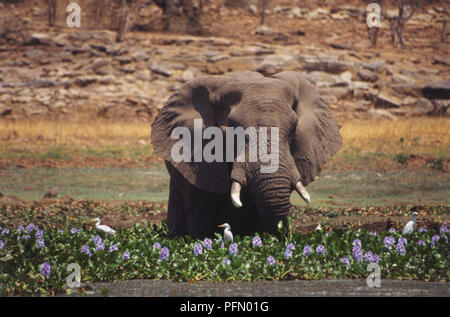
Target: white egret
227, 234
103, 228
319, 227
411, 225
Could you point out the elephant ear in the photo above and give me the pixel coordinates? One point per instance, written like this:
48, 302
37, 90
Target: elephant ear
208, 98
317, 135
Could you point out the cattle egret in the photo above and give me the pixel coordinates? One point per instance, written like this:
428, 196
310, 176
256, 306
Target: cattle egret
319, 227
411, 225
103, 228
227, 234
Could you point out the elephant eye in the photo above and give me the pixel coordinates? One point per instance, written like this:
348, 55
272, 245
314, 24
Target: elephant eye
294, 105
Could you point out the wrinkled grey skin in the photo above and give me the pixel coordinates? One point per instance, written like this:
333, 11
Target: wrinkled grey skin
199, 198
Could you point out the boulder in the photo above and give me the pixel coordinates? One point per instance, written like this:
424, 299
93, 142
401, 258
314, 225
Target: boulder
386, 101
161, 70
376, 66
437, 90
325, 64
367, 75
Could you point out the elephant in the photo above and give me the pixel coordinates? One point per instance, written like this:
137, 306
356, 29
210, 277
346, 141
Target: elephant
204, 194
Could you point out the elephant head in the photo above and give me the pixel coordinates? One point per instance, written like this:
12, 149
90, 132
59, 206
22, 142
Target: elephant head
307, 136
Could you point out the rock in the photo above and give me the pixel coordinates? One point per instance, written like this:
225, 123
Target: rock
321, 79
52, 193
217, 58
409, 101
386, 101
423, 106
123, 60
445, 60
325, 64
161, 70
376, 66
406, 89
268, 69
252, 9
35, 53
437, 90
42, 39
441, 107
139, 56
85, 81
402, 79
380, 114
341, 46
338, 92
188, 75
367, 75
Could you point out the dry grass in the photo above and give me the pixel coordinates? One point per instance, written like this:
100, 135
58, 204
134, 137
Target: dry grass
421, 135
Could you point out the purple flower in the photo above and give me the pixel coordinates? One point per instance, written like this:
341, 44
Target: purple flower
164, 254
357, 253
85, 250
373, 234
39, 234
126, 255
256, 242
40, 243
288, 254
198, 249
290, 246
5, 231
421, 242
226, 261
307, 250
100, 247
434, 239
370, 257
346, 261
443, 230
207, 243
2, 244
30, 227
97, 239
74, 230
392, 230
402, 240
320, 249
156, 245
400, 248
270, 260
233, 249
389, 242
113, 247
422, 229
45, 269
357, 243
20, 229
26, 237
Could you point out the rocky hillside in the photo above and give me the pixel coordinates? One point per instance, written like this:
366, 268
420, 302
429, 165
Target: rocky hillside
63, 72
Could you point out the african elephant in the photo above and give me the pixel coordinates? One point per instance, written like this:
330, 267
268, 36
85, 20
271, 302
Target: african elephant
204, 194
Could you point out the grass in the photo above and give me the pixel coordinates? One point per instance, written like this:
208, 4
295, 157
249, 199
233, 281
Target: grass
61, 140
147, 252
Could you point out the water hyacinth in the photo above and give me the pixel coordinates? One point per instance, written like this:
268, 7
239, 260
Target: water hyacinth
40, 243
434, 239
256, 242
164, 254
307, 251
45, 269
20, 229
226, 261
39, 234
26, 237
233, 249
290, 246
207, 243
400, 248
97, 239
320, 249
357, 253
443, 230
30, 227
2, 244
392, 230
85, 250
156, 245
422, 229
373, 234
270, 260
389, 242
100, 247
421, 242
74, 230
371, 258
346, 261
357, 243
198, 249
126, 255
402, 240
113, 247
5, 231
288, 254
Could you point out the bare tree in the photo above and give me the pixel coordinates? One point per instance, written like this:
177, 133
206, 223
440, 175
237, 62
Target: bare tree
397, 23
51, 12
445, 20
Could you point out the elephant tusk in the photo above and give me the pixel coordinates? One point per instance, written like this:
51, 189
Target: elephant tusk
235, 194
302, 192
